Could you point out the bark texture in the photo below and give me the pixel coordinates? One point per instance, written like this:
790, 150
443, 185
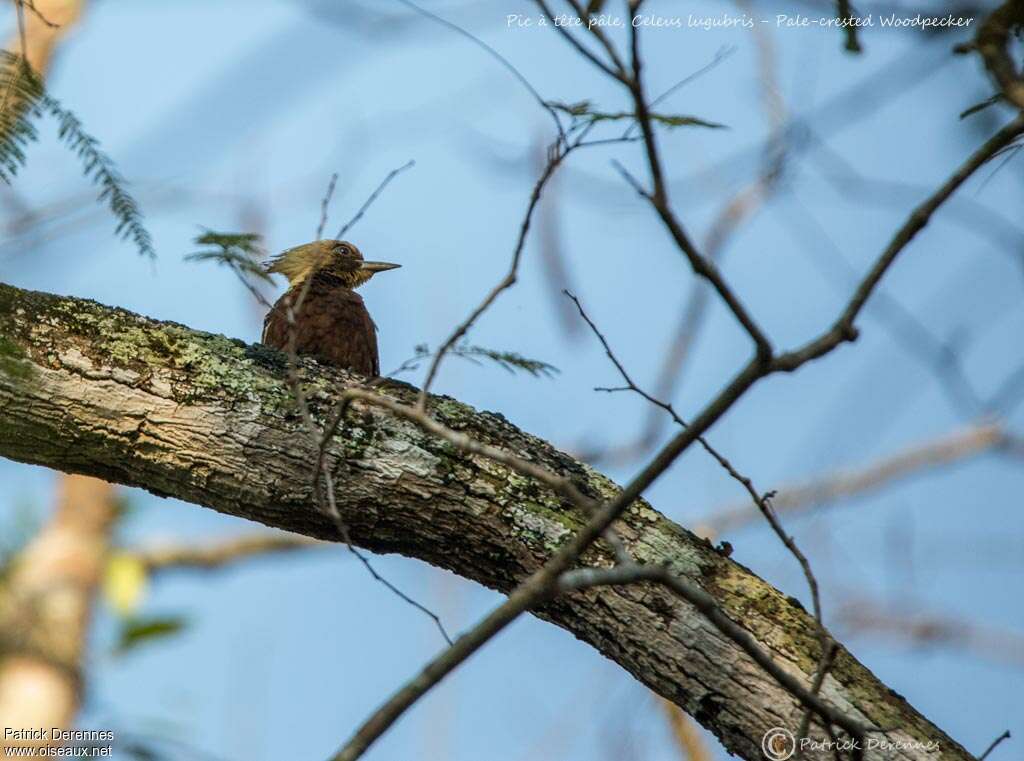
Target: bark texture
89, 389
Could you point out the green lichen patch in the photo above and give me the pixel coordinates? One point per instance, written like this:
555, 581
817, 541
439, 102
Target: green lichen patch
452, 413
215, 365
764, 611
12, 360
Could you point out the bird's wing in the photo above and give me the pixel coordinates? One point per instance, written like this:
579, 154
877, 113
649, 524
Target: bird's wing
275, 326
333, 327
353, 334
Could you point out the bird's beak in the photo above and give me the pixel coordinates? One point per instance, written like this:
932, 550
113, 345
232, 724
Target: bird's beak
378, 266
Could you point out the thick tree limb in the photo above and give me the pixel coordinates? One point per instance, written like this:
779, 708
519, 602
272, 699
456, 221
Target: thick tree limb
210, 420
47, 598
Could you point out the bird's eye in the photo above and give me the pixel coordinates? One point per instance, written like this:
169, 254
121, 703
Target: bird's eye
343, 250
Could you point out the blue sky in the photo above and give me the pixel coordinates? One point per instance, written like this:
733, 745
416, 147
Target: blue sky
234, 116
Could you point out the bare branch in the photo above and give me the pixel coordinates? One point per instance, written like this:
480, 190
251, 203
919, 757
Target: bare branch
731, 215
658, 198
215, 556
992, 42
542, 583
761, 501
846, 15
321, 474
373, 197
38, 14
324, 203
101, 404
595, 29
557, 155
853, 482
587, 578
496, 56
1004, 736
843, 330
580, 47
863, 616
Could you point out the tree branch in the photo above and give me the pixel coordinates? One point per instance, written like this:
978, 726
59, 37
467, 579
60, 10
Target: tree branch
993, 42
850, 482
210, 420
223, 554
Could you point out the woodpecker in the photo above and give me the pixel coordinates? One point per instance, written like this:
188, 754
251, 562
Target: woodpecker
331, 323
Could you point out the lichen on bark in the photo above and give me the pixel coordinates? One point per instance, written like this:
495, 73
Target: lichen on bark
211, 420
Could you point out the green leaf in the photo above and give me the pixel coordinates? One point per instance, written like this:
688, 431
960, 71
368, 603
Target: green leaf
981, 106
509, 361
242, 252
584, 112
679, 120
142, 630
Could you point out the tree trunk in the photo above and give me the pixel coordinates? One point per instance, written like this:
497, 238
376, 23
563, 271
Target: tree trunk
210, 420
46, 607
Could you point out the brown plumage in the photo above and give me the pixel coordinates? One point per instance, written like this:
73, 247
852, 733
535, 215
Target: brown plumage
331, 324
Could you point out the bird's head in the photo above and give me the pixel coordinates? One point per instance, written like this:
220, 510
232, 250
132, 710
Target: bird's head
336, 259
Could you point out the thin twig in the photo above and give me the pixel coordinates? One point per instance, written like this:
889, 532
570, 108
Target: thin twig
324, 203
558, 153
762, 501
843, 329
824, 666
658, 198
347, 539
729, 218
326, 498
373, 196
846, 15
543, 582
580, 47
496, 56
1004, 736
586, 578
38, 14
993, 41
595, 29
722, 54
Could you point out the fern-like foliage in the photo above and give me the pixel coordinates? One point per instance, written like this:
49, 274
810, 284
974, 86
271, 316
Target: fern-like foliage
509, 361
242, 252
991, 101
24, 99
585, 113
21, 91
